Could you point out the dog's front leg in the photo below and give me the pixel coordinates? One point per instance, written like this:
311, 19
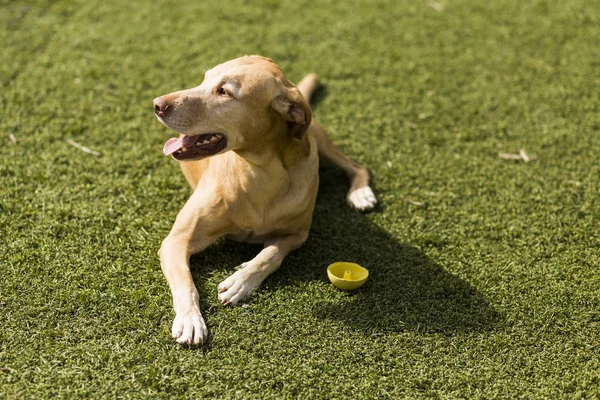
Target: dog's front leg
251, 274
188, 327
195, 228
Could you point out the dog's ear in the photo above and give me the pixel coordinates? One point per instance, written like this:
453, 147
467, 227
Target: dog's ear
294, 110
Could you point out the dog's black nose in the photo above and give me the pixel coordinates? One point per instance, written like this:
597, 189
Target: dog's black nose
161, 106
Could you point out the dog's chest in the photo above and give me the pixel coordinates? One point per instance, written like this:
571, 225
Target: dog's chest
250, 236
265, 212
257, 217
269, 201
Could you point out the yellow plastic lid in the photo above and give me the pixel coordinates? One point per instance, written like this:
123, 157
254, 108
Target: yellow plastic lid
347, 275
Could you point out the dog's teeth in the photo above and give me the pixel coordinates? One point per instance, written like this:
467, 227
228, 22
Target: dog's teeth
198, 144
218, 135
184, 149
205, 142
214, 139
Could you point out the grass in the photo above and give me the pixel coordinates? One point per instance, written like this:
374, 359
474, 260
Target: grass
484, 271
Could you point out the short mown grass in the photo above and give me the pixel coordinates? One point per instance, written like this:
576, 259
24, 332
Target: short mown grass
485, 277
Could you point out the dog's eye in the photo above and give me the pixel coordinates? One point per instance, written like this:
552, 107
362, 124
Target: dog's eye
222, 92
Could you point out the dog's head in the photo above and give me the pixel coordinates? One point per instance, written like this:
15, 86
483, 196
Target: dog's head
240, 105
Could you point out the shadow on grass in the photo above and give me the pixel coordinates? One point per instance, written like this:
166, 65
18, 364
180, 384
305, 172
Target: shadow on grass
406, 290
318, 96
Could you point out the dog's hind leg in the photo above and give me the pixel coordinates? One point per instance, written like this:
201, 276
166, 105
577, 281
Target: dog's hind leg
360, 196
308, 85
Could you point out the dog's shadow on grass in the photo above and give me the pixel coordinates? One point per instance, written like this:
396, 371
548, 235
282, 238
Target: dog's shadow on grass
406, 290
318, 96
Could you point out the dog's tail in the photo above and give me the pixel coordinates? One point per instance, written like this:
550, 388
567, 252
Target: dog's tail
308, 85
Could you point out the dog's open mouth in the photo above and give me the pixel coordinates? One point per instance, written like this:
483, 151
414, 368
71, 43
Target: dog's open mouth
195, 146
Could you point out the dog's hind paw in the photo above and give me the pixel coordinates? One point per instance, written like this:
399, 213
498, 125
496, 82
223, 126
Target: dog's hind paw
189, 329
362, 199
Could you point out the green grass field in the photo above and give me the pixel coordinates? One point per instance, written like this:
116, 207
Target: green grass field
485, 279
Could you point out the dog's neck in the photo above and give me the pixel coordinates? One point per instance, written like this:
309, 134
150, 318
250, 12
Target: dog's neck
289, 151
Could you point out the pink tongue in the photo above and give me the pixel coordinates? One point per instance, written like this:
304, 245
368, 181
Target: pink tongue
175, 144
172, 146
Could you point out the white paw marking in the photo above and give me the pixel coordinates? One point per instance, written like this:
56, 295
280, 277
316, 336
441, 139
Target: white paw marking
238, 287
362, 199
189, 328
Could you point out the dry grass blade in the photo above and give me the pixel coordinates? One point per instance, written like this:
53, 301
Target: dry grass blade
13, 138
83, 148
413, 202
521, 156
508, 156
435, 5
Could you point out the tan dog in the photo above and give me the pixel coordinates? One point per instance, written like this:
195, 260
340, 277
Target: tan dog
251, 155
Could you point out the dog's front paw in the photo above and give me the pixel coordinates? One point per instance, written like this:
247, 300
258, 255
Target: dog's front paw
237, 287
189, 328
362, 199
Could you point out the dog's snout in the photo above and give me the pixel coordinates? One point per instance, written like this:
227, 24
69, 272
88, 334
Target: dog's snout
161, 106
